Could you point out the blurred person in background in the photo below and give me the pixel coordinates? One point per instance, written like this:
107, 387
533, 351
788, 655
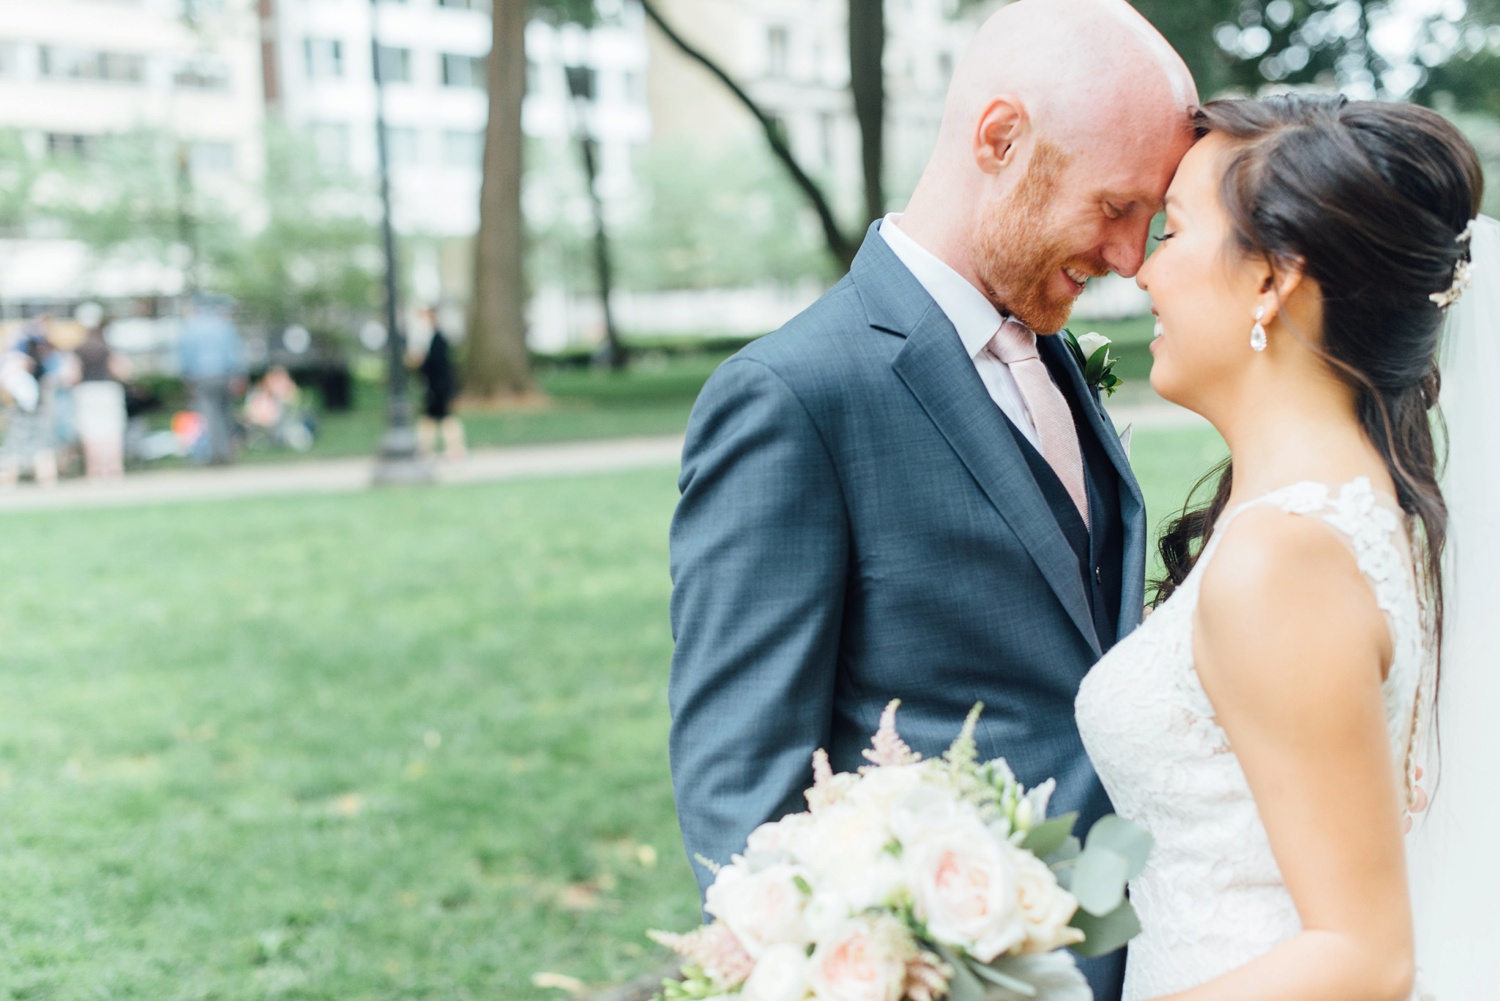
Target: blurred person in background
211, 357
60, 373
442, 387
28, 436
99, 401
273, 409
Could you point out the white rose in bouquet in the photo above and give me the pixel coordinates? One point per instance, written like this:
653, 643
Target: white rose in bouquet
761, 908
882, 789
964, 887
1046, 907
780, 975
778, 841
825, 911
862, 960
849, 854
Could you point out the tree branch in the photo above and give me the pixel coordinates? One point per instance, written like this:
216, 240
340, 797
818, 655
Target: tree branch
838, 244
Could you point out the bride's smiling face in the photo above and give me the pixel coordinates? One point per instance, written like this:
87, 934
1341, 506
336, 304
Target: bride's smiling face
1203, 288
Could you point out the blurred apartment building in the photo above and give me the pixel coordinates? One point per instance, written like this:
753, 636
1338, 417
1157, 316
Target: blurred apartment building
319, 57
792, 57
76, 74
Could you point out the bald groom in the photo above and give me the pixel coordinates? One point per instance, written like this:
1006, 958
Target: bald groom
909, 491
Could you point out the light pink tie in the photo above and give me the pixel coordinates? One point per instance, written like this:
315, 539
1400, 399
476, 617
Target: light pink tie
1015, 345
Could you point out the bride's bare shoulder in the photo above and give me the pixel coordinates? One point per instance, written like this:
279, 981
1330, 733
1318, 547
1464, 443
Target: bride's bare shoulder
1282, 594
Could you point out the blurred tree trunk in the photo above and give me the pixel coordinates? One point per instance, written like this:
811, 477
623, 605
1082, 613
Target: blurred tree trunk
496, 363
867, 81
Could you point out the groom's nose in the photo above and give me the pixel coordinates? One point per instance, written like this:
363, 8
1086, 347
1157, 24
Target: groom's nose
1125, 249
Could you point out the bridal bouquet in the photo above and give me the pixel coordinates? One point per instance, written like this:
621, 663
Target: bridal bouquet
913, 880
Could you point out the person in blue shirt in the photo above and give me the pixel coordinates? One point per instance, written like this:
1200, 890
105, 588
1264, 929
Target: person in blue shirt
211, 358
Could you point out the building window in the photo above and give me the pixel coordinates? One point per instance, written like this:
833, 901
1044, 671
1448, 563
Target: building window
202, 73
583, 82
330, 142
10, 60
778, 52
826, 126
71, 146
635, 88
403, 146
211, 158
465, 71
463, 149
60, 63
395, 65
483, 6
324, 57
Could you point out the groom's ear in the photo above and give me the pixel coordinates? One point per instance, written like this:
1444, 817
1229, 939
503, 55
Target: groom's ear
998, 136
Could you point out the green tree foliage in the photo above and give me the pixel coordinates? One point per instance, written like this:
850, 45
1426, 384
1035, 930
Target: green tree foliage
720, 220
1242, 45
315, 259
20, 173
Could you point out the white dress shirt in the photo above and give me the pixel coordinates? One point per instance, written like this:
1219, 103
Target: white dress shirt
972, 314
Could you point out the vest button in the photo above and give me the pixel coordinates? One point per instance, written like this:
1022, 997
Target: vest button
1099, 576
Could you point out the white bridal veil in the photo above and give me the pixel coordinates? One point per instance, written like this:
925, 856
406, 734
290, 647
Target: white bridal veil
1455, 859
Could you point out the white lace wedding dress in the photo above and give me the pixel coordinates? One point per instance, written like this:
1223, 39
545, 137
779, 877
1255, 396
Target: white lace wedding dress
1211, 897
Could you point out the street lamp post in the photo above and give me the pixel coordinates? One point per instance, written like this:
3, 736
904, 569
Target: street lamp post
581, 88
399, 460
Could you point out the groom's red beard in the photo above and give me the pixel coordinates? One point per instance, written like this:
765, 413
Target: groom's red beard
1016, 256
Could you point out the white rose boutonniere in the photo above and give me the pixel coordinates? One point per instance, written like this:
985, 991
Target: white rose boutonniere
1092, 352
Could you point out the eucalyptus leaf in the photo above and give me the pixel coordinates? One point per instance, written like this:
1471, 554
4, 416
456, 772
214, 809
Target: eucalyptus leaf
1048, 836
1099, 880
1069, 850
999, 979
1130, 841
965, 985
1105, 935
1053, 975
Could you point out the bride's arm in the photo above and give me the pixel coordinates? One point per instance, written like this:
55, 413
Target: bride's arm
1291, 647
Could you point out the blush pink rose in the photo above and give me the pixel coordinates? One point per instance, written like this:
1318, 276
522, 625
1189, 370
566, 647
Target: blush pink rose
862, 960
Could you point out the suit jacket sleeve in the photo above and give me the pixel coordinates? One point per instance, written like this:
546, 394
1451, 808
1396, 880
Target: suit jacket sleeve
759, 553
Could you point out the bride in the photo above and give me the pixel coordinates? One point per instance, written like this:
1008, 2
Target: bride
1265, 724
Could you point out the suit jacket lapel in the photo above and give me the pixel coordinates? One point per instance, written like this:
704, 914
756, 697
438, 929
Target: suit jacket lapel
1132, 503
933, 365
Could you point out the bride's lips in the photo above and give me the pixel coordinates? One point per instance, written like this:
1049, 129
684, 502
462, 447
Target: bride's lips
1156, 334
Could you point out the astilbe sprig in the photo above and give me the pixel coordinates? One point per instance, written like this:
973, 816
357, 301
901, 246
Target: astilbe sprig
887, 749
927, 977
712, 951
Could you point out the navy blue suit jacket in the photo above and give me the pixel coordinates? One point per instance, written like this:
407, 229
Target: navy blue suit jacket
858, 524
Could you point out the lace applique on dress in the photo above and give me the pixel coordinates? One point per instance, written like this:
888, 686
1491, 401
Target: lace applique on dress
1211, 897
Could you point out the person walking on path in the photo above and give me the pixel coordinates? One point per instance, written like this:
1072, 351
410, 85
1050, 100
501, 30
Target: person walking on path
442, 387
99, 406
211, 357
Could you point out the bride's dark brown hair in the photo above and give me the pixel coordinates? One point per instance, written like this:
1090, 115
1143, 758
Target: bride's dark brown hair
1368, 200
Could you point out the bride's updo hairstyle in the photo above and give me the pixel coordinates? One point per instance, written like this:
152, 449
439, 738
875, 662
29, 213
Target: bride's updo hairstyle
1368, 199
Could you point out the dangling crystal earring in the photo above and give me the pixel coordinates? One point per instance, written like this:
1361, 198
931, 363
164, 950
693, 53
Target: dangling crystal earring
1258, 332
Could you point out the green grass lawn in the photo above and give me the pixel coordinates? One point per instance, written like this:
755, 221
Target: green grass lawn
395, 745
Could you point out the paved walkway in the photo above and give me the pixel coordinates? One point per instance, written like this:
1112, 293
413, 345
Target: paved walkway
343, 475
484, 465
